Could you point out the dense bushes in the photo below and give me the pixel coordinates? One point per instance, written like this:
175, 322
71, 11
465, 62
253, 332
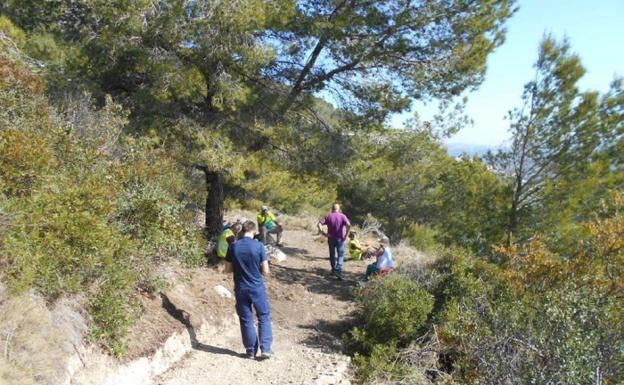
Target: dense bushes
395, 310
81, 212
537, 317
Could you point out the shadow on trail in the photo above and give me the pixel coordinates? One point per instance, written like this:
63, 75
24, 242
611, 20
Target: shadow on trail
183, 317
328, 335
318, 280
294, 251
301, 253
217, 350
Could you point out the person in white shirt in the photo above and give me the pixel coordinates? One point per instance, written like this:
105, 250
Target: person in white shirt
384, 261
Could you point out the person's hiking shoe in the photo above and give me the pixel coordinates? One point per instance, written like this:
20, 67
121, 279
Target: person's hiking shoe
265, 356
338, 275
279, 244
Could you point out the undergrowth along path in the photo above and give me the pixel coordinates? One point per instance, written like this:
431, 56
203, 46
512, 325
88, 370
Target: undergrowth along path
310, 309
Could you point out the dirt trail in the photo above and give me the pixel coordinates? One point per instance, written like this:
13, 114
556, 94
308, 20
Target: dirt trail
310, 311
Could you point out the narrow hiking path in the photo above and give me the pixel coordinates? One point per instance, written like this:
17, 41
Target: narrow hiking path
310, 311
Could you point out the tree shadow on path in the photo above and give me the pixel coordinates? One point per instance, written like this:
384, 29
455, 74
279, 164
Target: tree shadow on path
184, 318
317, 280
301, 253
328, 335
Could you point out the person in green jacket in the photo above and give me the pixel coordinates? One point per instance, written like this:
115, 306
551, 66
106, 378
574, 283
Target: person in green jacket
227, 237
268, 225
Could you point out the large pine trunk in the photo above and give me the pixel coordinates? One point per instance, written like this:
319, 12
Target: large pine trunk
214, 203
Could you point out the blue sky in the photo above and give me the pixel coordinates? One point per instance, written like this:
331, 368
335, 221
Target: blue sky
596, 32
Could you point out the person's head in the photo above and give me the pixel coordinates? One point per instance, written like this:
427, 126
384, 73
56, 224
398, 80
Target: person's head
264, 209
335, 208
384, 241
236, 227
352, 234
249, 227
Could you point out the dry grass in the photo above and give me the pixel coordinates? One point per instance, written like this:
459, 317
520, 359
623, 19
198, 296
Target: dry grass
239, 214
12, 374
36, 341
305, 222
408, 255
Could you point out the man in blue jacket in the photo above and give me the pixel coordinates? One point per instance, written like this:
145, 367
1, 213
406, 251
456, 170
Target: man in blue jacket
248, 261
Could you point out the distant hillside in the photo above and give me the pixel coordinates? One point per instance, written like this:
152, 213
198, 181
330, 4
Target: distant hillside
456, 149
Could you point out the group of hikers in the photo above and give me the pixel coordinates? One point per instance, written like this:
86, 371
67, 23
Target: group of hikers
241, 245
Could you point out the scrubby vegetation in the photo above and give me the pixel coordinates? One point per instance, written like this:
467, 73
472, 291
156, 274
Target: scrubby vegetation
537, 317
84, 209
527, 287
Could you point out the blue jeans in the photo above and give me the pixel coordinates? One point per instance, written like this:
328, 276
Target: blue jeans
339, 246
245, 299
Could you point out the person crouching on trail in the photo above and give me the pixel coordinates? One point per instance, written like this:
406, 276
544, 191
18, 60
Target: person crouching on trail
227, 237
384, 263
248, 261
268, 225
338, 227
356, 249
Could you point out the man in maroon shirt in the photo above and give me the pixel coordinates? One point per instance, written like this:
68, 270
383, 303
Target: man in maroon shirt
338, 226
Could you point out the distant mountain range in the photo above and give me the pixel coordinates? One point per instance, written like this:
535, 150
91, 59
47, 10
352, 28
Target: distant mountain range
457, 149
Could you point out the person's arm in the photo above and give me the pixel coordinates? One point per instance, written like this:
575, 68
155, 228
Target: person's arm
319, 225
357, 245
347, 226
264, 262
264, 268
379, 253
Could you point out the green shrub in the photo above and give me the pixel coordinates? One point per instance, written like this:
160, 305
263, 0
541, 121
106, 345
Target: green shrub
380, 362
113, 309
394, 313
421, 237
152, 217
394, 309
60, 237
15, 33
